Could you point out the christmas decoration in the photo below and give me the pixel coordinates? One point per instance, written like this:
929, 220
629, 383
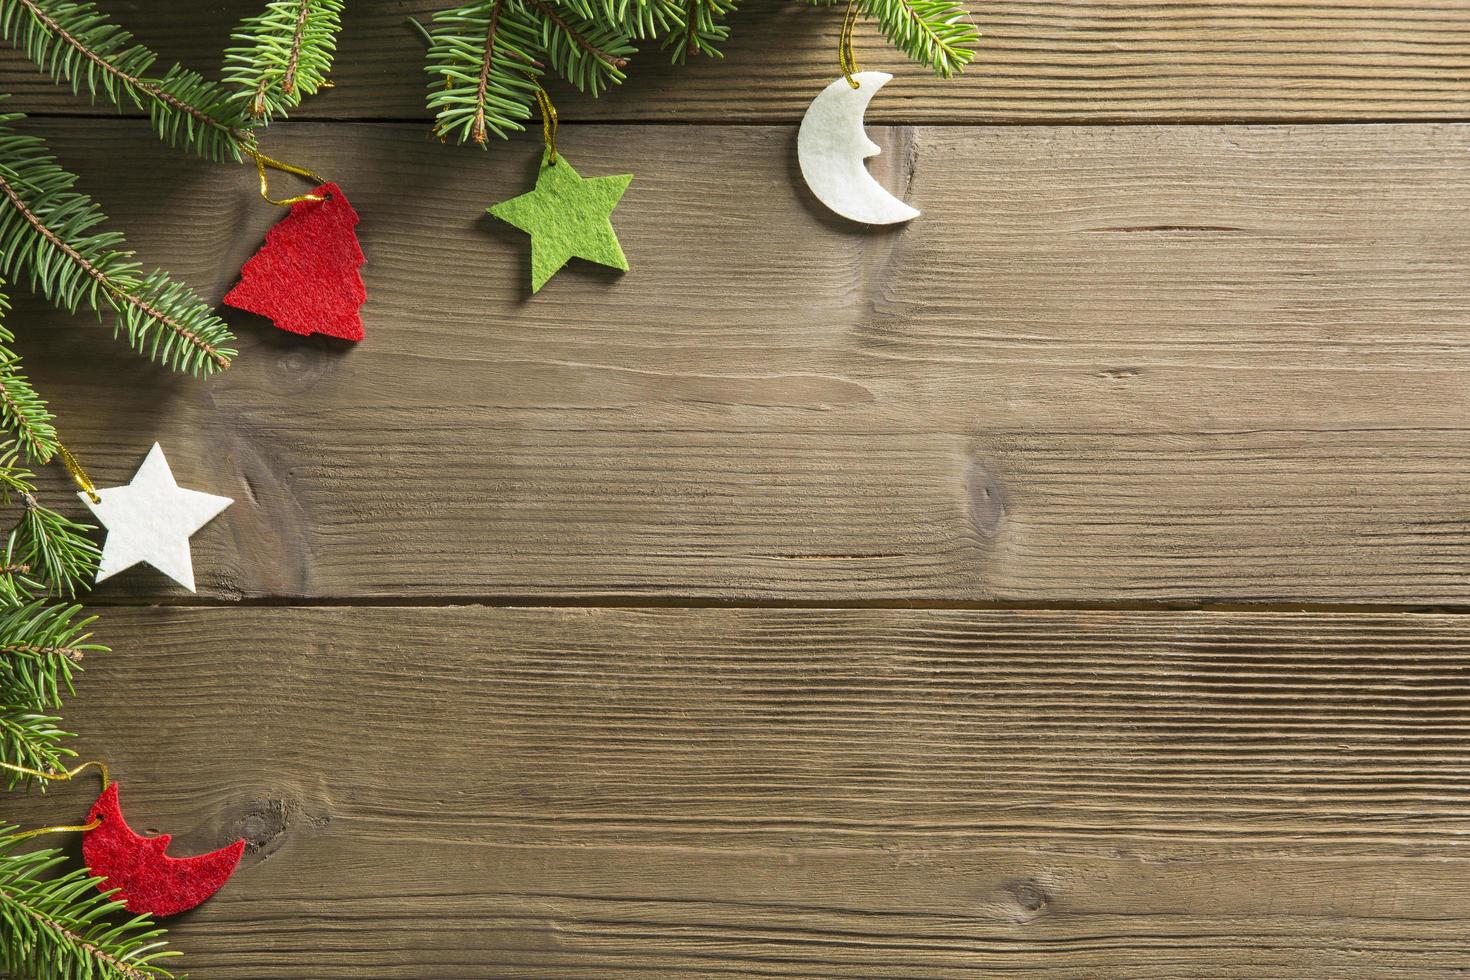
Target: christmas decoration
567, 217
56, 926
148, 880
831, 146
151, 520
59, 242
305, 278
484, 61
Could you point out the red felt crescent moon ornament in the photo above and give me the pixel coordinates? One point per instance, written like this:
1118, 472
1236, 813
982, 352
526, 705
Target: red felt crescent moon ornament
149, 881
305, 278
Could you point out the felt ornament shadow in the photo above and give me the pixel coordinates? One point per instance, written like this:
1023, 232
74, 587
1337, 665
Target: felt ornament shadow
305, 277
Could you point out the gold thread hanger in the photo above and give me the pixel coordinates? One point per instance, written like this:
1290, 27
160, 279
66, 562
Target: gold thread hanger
79, 477
846, 60
60, 777
262, 161
549, 124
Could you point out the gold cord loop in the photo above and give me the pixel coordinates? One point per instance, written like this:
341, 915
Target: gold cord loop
262, 161
845, 58
60, 777
79, 476
548, 124
92, 824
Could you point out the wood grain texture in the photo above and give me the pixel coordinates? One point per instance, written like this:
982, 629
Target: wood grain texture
1039, 61
1189, 365
473, 792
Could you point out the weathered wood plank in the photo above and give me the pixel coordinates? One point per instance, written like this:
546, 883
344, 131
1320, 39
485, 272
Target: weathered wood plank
1040, 60
569, 792
1127, 364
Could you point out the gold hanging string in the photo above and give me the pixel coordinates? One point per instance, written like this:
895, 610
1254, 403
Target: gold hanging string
262, 161
79, 477
548, 124
60, 828
65, 775
845, 58
60, 777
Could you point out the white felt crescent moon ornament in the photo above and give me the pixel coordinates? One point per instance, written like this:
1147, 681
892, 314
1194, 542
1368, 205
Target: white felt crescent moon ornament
831, 146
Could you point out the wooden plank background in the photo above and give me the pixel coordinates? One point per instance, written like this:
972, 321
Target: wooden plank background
1070, 583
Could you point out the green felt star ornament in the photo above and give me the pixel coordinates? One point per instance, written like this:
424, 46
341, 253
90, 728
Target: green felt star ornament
567, 216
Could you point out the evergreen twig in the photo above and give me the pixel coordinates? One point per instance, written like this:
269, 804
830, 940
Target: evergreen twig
49, 232
46, 551
76, 43
485, 57
62, 927
285, 53
937, 33
585, 51
40, 647
21, 409
482, 60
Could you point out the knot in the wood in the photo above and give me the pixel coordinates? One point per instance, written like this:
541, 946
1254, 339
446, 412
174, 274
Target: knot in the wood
262, 824
298, 367
987, 506
1028, 894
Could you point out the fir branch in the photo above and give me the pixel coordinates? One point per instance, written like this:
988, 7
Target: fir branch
638, 19
54, 550
701, 28
589, 54
62, 927
21, 410
48, 230
484, 69
936, 33
285, 54
41, 647
634, 18
46, 551
31, 740
16, 582
76, 43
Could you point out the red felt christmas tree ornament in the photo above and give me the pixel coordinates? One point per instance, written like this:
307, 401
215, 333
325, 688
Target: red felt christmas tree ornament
305, 278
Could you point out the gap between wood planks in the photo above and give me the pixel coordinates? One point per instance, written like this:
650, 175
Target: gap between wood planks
958, 122
703, 602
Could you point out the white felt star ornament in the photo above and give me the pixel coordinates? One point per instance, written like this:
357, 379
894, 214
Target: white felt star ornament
151, 519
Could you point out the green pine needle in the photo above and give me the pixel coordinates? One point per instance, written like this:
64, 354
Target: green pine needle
484, 68
61, 927
936, 33
31, 739
485, 58
52, 549
21, 410
49, 233
285, 53
700, 28
76, 43
589, 54
46, 551
41, 646
640, 19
